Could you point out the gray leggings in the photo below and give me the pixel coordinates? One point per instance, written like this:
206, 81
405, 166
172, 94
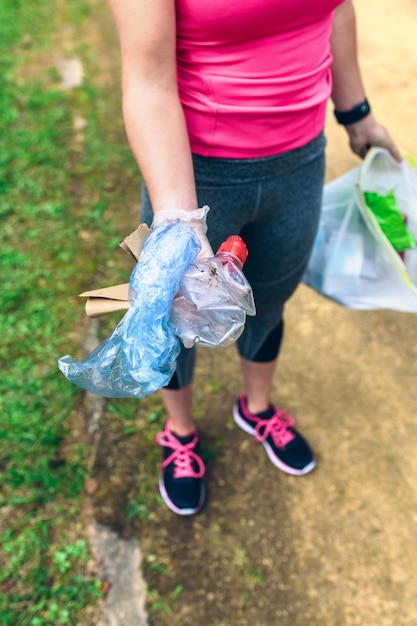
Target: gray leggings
274, 204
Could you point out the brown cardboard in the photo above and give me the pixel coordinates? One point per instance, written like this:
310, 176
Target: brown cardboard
106, 300
133, 243
116, 298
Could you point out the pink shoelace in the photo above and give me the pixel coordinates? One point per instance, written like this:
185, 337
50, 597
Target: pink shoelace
182, 456
277, 426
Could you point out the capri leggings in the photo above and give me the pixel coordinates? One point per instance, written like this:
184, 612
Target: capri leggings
274, 204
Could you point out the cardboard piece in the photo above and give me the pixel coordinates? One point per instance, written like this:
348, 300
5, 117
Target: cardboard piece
106, 300
116, 298
133, 243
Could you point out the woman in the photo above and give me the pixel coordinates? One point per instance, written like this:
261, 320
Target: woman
224, 105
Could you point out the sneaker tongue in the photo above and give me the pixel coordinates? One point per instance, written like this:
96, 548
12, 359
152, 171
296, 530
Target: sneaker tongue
266, 415
184, 440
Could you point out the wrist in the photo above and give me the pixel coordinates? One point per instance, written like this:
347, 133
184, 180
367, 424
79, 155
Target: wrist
353, 115
194, 215
196, 218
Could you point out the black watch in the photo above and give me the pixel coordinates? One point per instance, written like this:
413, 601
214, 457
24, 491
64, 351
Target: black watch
357, 113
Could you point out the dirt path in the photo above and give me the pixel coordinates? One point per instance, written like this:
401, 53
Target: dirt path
336, 548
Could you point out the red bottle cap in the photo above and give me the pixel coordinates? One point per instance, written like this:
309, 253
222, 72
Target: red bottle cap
236, 246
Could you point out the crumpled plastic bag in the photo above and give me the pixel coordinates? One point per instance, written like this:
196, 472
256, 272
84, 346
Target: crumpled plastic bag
139, 357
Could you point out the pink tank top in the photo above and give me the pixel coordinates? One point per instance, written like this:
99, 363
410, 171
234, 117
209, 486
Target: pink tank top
254, 75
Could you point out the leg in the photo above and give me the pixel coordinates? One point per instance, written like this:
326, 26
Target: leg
255, 414
258, 373
257, 383
177, 395
279, 242
178, 404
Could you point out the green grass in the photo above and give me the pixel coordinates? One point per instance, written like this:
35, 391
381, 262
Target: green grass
52, 188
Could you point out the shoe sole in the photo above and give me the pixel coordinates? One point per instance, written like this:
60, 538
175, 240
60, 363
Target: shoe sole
272, 457
174, 508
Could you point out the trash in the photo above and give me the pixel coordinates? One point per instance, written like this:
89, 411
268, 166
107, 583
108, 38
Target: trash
390, 219
214, 298
353, 261
139, 357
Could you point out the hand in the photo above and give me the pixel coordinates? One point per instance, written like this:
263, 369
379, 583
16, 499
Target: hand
368, 133
196, 219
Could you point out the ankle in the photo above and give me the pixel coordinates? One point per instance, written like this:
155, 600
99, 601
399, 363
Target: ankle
257, 405
181, 428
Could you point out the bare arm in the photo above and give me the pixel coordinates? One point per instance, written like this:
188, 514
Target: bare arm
152, 112
348, 88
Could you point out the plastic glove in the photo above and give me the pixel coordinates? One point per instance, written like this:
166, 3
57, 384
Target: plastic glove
196, 219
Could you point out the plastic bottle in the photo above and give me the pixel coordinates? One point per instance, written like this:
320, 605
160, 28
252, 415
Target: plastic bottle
214, 298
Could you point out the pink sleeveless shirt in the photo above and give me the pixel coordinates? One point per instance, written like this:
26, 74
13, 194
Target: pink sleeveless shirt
254, 75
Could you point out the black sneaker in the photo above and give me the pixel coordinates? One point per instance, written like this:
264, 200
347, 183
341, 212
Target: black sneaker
286, 448
181, 485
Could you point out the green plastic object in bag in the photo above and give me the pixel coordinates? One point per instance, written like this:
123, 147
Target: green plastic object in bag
392, 222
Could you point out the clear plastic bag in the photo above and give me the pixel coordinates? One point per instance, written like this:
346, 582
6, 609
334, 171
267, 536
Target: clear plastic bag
353, 262
139, 357
214, 298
